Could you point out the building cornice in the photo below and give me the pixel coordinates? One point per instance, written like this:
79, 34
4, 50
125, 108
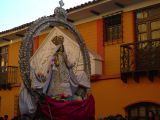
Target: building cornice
82, 7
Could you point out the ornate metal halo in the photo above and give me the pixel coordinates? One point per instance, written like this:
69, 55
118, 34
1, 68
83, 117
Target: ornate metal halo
40, 25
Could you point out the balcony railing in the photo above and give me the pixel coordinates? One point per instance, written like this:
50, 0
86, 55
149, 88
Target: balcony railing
137, 58
8, 76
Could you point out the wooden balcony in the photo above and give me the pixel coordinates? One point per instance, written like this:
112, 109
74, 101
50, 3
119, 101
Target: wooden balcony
140, 58
8, 76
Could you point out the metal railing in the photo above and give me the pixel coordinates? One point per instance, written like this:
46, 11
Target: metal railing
8, 75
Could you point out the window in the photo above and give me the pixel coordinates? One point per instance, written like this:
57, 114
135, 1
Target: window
113, 30
148, 23
3, 58
140, 111
155, 29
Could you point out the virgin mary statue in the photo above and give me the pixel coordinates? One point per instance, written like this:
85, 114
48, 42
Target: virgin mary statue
60, 84
61, 79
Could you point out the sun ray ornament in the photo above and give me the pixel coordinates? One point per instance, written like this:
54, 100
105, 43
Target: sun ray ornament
56, 77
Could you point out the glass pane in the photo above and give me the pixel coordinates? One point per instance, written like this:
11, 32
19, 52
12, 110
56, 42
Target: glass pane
116, 32
142, 14
158, 111
155, 34
2, 62
113, 20
142, 111
142, 28
154, 11
142, 36
3, 56
109, 34
145, 14
155, 25
134, 112
152, 108
139, 15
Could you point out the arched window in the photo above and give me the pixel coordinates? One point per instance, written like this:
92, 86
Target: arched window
139, 111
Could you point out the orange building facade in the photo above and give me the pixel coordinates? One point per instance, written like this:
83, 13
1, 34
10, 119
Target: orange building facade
122, 35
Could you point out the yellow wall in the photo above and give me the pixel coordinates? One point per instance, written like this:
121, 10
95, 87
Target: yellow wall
7, 101
13, 54
89, 33
112, 60
42, 37
112, 96
128, 27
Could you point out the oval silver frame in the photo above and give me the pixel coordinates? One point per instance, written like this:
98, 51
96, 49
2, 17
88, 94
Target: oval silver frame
28, 40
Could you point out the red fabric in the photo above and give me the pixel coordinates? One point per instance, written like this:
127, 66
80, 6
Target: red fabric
68, 110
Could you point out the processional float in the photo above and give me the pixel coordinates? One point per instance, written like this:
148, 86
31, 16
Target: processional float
56, 77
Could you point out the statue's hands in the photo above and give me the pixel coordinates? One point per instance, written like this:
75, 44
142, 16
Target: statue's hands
40, 77
71, 65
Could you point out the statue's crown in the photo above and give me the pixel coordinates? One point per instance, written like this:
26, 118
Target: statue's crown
57, 40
